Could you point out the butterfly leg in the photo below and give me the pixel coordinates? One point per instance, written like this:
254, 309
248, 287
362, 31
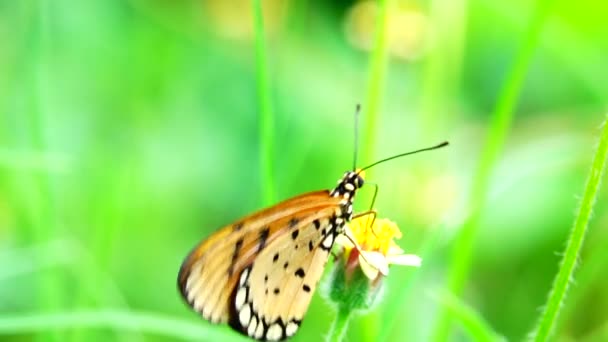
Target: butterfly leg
368, 213
371, 207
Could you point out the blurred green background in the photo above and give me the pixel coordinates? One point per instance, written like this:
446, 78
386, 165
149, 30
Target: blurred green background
129, 131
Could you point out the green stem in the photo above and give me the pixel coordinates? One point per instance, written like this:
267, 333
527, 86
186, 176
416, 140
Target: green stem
338, 328
378, 67
575, 242
266, 123
112, 319
500, 124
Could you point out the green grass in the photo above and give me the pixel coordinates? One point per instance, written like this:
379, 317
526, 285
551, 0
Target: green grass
564, 277
372, 108
499, 127
138, 322
471, 321
378, 65
265, 108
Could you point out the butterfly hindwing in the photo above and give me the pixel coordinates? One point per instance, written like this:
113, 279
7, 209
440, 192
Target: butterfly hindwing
275, 290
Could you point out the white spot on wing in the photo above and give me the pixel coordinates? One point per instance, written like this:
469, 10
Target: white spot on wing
252, 326
274, 332
245, 315
244, 277
328, 241
259, 332
241, 297
291, 328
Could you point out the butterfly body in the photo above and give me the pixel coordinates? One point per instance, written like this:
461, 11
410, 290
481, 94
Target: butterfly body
259, 274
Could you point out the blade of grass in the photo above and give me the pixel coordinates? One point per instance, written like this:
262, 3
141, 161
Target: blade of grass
500, 123
266, 123
41, 215
471, 321
443, 67
406, 281
375, 86
378, 67
34, 161
558, 292
594, 269
117, 320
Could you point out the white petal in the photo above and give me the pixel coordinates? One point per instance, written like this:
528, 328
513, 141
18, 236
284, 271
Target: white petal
350, 237
405, 260
344, 241
370, 271
376, 260
394, 250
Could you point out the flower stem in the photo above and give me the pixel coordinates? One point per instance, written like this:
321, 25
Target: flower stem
338, 328
575, 242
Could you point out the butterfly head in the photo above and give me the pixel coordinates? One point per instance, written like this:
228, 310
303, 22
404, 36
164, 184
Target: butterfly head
349, 184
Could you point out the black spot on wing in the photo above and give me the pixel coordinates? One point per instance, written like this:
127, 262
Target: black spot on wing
235, 256
306, 288
237, 226
295, 234
263, 237
317, 224
293, 222
300, 272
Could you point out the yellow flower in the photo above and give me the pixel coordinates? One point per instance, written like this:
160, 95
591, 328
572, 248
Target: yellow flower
374, 246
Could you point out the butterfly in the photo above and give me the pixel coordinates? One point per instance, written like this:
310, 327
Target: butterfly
259, 273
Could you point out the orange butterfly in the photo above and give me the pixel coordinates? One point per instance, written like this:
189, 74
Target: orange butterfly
259, 274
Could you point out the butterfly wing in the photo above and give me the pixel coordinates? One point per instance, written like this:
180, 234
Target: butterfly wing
274, 291
209, 275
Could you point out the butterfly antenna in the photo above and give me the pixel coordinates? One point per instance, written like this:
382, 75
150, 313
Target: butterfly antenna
356, 147
440, 145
